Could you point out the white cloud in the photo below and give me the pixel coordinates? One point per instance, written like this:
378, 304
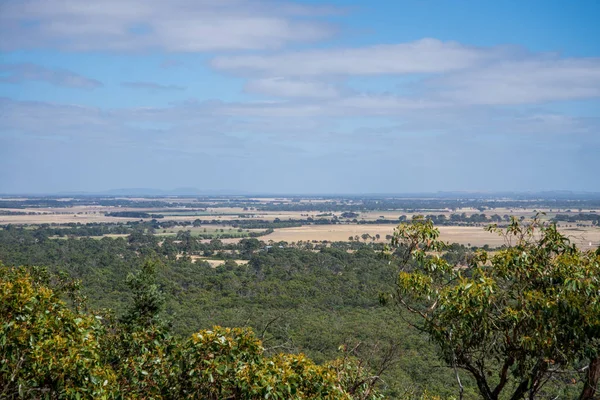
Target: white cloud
285, 120
448, 73
17, 73
526, 81
439, 144
49, 119
177, 25
151, 86
281, 87
422, 56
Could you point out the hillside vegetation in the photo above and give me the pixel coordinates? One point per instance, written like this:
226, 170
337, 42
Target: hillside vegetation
400, 323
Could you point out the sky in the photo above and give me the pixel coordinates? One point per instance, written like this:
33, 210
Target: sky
309, 97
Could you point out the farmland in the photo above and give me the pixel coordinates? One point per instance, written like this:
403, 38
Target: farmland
306, 272
471, 236
293, 219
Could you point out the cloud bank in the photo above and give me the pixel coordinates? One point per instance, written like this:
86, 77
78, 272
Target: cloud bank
174, 26
19, 73
273, 98
150, 86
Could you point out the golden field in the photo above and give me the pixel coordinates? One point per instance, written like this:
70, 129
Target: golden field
475, 236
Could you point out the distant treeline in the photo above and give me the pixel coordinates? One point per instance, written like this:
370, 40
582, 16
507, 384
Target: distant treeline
78, 229
8, 212
593, 218
324, 205
426, 205
133, 214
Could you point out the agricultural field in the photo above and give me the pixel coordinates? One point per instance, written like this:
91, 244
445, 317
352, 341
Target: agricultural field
247, 261
97, 214
466, 235
311, 219
213, 262
59, 217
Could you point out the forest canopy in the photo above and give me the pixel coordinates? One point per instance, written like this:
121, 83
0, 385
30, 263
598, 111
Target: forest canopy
130, 315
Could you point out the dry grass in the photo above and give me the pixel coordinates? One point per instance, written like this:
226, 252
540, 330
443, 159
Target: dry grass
475, 236
327, 232
59, 219
85, 214
216, 263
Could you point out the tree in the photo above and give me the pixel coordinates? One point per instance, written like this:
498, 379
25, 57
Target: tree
139, 347
229, 363
45, 347
514, 320
249, 246
49, 351
148, 300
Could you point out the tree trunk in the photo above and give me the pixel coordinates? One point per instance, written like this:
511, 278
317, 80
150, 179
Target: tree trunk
591, 380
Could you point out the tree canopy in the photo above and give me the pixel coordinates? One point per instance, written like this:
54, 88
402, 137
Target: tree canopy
513, 320
49, 350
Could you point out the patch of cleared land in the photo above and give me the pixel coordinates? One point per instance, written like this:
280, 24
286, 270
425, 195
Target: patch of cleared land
86, 214
59, 219
476, 236
214, 263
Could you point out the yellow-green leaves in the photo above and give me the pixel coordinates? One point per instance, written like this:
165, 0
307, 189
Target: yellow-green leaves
229, 363
515, 316
44, 346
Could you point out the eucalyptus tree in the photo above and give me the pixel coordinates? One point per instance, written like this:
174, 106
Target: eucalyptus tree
522, 321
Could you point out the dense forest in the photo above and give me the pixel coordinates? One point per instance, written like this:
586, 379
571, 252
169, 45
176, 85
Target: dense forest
317, 301
300, 300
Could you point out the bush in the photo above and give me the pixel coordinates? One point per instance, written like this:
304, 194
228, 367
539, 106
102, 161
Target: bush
48, 350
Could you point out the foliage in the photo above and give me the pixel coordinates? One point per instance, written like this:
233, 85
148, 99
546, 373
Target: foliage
46, 349
148, 300
514, 320
49, 351
133, 214
146, 361
229, 363
297, 301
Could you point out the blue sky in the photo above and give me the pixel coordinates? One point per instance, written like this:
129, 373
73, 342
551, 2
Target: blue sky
299, 96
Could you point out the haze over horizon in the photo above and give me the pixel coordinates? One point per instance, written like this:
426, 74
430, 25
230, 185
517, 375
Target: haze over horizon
299, 96
193, 192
